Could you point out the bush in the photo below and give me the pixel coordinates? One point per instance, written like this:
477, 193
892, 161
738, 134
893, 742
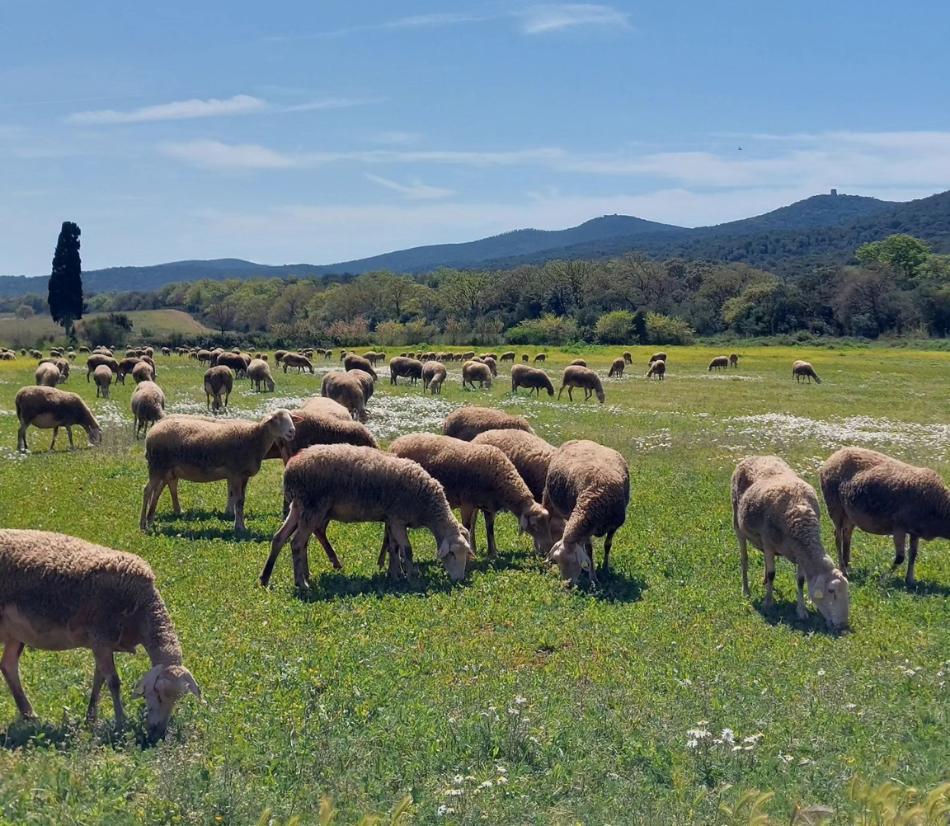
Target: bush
354, 331
113, 329
615, 327
549, 329
662, 329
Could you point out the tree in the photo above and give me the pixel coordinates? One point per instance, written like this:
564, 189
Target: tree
223, 315
65, 282
24, 311
615, 327
902, 252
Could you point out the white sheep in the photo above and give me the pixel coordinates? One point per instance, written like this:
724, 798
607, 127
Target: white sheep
48, 407
777, 511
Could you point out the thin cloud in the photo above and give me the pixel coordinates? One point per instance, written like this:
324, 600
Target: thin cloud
176, 110
560, 16
209, 154
415, 191
329, 103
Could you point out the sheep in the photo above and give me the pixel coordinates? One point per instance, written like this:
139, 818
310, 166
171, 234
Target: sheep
467, 422
360, 484
237, 362
581, 377
530, 455
48, 407
718, 363
48, 375
525, 358
199, 449
734, 360
297, 360
58, 592
348, 389
143, 372
367, 382
478, 477
616, 368
125, 367
258, 371
658, 369
882, 495
507, 356
579, 363
321, 421
166, 351
354, 362
588, 485
628, 357
102, 376
658, 357
60, 363
203, 356
405, 367
97, 359
540, 357
492, 364
279, 355
218, 384
468, 355
148, 406
433, 374
802, 369
531, 377
777, 511
475, 371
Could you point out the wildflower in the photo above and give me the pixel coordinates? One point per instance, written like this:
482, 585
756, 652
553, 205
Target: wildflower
520, 700
727, 736
501, 780
444, 810
821, 672
485, 784
454, 792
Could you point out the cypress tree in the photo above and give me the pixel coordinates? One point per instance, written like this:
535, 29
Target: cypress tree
65, 283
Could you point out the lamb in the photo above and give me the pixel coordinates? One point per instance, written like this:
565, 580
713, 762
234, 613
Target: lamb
616, 368
802, 369
540, 357
433, 374
58, 592
884, 496
475, 371
628, 357
354, 362
777, 511
405, 367
199, 449
48, 375
321, 421
467, 422
531, 377
733, 359
584, 378
718, 363
103, 379
346, 388
360, 484
218, 384
658, 369
658, 357
578, 363
507, 356
258, 371
48, 407
588, 485
148, 406
297, 360
97, 359
143, 372
478, 477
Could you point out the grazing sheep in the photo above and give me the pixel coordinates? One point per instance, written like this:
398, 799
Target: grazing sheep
658, 369
61, 364
658, 357
47, 407
882, 495
531, 377
718, 363
406, 367
102, 376
297, 360
237, 362
733, 359
525, 358
478, 477
802, 369
58, 592
348, 389
492, 365
475, 371
777, 511
360, 484
143, 372
148, 406
578, 363
367, 382
588, 485
540, 357
508, 356
203, 356
98, 359
279, 355
530, 455
258, 371
125, 367
616, 368
468, 355
321, 421
218, 384
628, 357
48, 375
467, 422
166, 351
433, 374
581, 377
354, 362
198, 449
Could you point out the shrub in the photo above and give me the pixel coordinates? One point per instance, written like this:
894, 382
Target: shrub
615, 327
549, 329
662, 329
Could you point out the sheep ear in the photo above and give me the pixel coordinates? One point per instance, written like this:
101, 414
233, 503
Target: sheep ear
522, 523
139, 690
556, 553
190, 685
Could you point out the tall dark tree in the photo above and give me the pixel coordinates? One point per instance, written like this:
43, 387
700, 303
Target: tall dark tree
65, 283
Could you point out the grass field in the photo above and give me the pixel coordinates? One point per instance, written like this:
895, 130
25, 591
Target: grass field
510, 698
25, 332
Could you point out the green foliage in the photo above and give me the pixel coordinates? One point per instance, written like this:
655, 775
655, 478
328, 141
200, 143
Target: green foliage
65, 283
662, 329
114, 329
904, 253
24, 311
549, 329
615, 327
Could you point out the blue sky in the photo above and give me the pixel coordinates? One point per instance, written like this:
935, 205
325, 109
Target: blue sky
300, 131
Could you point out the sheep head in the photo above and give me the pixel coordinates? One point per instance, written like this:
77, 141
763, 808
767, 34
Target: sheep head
829, 592
161, 688
94, 434
571, 558
536, 521
280, 424
454, 551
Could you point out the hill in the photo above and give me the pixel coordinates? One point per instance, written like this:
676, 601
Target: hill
24, 332
823, 228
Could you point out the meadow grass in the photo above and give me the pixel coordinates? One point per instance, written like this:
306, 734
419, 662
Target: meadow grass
509, 698
25, 332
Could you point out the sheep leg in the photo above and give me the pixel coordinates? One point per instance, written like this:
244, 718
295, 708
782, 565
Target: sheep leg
240, 492
469, 515
52, 444
570, 393
769, 577
280, 539
800, 609
384, 549
320, 531
105, 664
229, 506
489, 533
92, 710
158, 485
400, 553
69, 435
561, 390
899, 537
608, 543
10, 666
21, 438
911, 579
173, 490
744, 564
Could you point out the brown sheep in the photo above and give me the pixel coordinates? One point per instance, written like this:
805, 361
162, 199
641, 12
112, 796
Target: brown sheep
218, 384
802, 369
143, 372
406, 367
347, 388
97, 359
540, 357
433, 375
321, 421
48, 407
48, 375
297, 360
507, 356
467, 422
102, 376
531, 377
733, 359
148, 406
658, 357
475, 371
718, 363
584, 378
616, 368
354, 362
658, 369
628, 357
578, 363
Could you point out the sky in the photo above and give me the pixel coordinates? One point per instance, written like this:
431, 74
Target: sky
288, 132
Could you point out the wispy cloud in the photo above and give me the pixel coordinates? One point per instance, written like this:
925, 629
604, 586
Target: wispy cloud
176, 110
556, 17
209, 154
414, 191
396, 137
